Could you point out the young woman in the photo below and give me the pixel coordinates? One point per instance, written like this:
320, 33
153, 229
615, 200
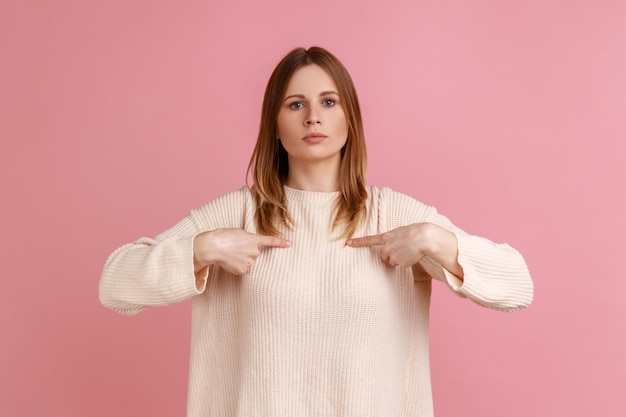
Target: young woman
310, 291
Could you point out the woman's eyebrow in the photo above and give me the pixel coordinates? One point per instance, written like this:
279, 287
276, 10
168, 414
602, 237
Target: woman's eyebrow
294, 96
302, 96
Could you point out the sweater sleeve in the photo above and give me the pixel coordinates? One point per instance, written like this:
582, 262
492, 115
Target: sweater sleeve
494, 275
159, 271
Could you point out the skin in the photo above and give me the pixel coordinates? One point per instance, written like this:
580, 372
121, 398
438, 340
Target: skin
312, 105
407, 245
235, 250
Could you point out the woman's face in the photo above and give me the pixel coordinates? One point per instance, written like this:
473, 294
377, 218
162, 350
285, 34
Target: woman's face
312, 125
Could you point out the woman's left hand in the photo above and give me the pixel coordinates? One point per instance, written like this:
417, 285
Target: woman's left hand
407, 245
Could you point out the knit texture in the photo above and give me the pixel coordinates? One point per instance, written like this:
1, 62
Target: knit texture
318, 329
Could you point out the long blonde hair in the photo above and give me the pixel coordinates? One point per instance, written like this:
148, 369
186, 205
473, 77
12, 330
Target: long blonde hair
269, 165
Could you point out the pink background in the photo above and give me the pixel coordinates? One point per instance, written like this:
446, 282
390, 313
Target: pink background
118, 117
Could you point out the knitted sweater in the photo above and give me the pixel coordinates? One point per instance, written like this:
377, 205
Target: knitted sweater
318, 329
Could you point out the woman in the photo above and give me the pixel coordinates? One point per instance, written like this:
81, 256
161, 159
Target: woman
310, 291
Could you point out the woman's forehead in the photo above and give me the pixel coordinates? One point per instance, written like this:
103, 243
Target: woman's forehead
310, 80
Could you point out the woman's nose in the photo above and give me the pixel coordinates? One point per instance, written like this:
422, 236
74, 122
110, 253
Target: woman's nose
313, 117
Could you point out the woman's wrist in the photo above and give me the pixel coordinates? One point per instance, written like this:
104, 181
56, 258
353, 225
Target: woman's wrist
201, 258
440, 242
442, 247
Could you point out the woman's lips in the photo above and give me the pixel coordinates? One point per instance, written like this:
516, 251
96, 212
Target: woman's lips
314, 138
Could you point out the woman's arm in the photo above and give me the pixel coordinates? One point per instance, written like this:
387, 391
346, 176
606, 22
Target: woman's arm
495, 275
490, 274
161, 270
175, 265
151, 271
408, 245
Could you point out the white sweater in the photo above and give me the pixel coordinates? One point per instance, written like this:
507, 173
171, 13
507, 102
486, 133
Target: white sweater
318, 329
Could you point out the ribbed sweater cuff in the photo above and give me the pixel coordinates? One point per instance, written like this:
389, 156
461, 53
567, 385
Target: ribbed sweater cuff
175, 260
495, 276
164, 275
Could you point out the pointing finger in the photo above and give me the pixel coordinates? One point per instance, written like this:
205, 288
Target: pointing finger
273, 241
373, 240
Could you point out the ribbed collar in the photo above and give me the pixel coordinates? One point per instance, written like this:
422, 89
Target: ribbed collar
313, 197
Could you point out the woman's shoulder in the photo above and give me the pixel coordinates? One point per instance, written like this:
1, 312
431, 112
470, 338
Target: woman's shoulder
241, 194
391, 204
389, 196
232, 205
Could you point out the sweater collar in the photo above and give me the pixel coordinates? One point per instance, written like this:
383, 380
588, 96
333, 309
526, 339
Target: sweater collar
316, 197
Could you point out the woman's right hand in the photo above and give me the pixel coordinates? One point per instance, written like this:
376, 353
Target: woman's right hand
232, 249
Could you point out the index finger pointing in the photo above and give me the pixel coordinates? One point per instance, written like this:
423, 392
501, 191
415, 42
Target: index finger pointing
373, 240
273, 241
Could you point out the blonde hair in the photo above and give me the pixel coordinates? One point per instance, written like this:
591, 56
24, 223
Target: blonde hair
269, 165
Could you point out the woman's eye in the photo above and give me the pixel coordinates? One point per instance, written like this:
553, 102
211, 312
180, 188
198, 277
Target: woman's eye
328, 102
296, 105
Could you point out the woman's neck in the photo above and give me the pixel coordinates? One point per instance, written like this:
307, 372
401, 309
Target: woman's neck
314, 177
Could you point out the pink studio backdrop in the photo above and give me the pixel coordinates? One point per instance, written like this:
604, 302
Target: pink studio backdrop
117, 117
